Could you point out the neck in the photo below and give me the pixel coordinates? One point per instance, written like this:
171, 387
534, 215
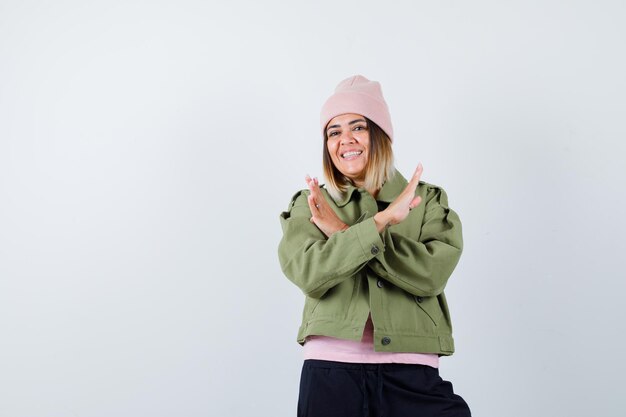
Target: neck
372, 191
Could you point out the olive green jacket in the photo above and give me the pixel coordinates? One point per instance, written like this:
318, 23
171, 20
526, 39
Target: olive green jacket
399, 275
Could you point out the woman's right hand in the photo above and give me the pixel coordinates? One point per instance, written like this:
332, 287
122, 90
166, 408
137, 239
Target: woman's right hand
322, 215
399, 208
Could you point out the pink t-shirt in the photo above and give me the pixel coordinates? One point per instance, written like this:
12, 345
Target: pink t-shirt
342, 350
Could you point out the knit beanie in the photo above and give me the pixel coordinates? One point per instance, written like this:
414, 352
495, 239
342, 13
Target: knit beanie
358, 95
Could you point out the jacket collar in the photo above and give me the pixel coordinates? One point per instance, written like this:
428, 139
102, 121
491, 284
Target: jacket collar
388, 192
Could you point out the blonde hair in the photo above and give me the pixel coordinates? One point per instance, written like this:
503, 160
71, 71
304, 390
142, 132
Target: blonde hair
378, 170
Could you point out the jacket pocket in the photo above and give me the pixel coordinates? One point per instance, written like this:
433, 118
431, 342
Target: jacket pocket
310, 304
426, 305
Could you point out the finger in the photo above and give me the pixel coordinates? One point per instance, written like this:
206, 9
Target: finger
415, 179
315, 191
311, 182
417, 174
313, 206
415, 202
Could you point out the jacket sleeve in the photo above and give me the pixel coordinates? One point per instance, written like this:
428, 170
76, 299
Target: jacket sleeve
422, 267
316, 263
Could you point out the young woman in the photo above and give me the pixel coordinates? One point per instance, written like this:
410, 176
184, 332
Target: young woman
372, 253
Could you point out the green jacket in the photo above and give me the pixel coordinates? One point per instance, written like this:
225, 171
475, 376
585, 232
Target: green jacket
399, 275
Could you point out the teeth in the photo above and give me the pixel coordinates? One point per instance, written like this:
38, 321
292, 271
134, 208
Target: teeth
347, 154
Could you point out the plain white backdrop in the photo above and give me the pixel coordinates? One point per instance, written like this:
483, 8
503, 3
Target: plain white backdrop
148, 147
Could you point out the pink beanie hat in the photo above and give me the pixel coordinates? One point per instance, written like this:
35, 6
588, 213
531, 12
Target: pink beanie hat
358, 95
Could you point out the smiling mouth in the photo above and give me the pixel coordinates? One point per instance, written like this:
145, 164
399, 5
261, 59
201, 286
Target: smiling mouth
351, 154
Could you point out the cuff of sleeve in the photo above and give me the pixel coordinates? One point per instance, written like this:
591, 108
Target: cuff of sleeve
370, 240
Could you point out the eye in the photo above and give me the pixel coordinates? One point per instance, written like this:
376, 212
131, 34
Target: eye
360, 127
333, 133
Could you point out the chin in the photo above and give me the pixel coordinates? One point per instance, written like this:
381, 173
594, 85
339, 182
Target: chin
353, 176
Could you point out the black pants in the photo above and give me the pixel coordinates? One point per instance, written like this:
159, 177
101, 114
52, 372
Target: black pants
338, 389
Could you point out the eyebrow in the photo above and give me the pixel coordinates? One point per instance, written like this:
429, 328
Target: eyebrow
351, 123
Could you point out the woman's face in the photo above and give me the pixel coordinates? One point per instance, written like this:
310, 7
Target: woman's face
348, 143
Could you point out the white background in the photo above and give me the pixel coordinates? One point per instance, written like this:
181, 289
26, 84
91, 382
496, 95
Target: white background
147, 148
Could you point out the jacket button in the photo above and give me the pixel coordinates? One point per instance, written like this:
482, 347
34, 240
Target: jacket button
380, 283
386, 340
418, 299
375, 250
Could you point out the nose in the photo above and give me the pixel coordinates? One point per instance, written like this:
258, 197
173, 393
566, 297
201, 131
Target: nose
347, 137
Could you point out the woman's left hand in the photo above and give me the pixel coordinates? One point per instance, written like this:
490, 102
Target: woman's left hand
324, 217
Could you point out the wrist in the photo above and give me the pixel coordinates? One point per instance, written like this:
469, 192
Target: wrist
339, 228
381, 221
